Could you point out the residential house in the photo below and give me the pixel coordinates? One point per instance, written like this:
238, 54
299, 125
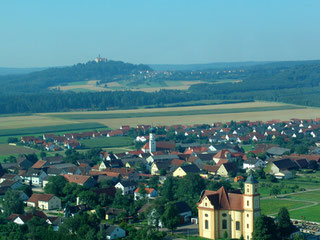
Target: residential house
127, 187
44, 201
186, 169
149, 193
227, 169
114, 232
252, 163
83, 180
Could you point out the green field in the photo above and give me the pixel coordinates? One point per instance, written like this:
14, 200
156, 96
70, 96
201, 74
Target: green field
270, 206
309, 214
50, 129
107, 142
172, 113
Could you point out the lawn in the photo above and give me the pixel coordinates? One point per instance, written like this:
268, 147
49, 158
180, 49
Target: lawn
107, 142
309, 214
50, 129
271, 206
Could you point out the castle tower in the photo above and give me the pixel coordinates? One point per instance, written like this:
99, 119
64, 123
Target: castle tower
152, 140
251, 206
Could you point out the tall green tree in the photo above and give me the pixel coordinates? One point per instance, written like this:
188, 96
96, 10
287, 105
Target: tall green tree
264, 229
55, 185
285, 227
12, 203
170, 217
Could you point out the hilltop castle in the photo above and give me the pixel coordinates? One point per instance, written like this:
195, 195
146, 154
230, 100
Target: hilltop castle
234, 213
100, 59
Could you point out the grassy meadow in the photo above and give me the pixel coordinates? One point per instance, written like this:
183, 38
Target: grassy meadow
107, 142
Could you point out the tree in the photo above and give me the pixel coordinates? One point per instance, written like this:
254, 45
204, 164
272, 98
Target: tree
27, 189
275, 190
225, 235
298, 237
167, 189
43, 154
285, 226
55, 185
163, 172
264, 229
88, 197
12, 203
241, 238
170, 217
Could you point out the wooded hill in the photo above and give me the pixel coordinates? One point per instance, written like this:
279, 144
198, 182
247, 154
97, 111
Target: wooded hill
41, 80
289, 82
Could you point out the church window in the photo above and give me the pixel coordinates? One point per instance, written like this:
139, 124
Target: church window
206, 215
247, 215
206, 224
224, 214
247, 225
248, 203
237, 225
247, 190
224, 224
205, 204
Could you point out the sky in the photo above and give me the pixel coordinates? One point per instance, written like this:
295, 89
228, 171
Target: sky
38, 33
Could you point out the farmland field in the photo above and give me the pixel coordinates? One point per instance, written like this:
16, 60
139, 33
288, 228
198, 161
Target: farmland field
6, 149
187, 115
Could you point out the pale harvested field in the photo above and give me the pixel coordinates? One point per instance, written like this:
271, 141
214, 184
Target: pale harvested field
219, 106
283, 115
31, 121
113, 84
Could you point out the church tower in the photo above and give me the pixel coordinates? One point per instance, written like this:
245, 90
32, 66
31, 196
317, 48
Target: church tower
152, 140
251, 206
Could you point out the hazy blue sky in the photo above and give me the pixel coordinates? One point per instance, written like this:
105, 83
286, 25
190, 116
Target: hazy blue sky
65, 32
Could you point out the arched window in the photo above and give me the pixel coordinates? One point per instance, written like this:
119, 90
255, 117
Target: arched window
206, 224
224, 224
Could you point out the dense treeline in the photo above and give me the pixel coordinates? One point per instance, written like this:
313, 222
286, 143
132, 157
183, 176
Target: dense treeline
58, 101
272, 83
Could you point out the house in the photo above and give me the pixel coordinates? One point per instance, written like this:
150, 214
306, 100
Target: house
25, 217
12, 177
211, 169
186, 169
184, 211
44, 201
251, 163
279, 165
149, 193
114, 232
86, 181
222, 154
156, 167
226, 169
111, 213
277, 151
34, 177
234, 213
127, 187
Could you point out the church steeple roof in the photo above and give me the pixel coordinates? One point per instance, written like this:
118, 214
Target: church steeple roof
251, 179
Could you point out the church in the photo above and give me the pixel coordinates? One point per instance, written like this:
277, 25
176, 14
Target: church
234, 213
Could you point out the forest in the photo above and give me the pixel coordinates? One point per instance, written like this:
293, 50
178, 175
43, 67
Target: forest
277, 81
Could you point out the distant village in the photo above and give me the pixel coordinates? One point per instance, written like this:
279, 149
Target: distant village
212, 152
